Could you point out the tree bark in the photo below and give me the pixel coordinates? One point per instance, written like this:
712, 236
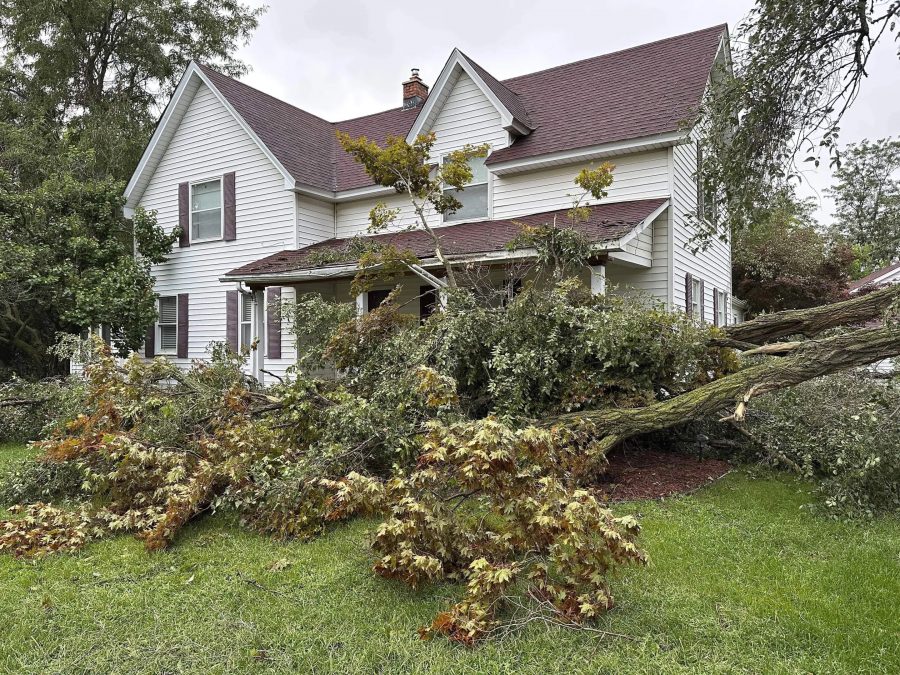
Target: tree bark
811, 322
810, 360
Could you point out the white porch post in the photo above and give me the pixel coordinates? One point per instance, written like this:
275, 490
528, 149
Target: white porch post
442, 298
598, 279
257, 333
362, 304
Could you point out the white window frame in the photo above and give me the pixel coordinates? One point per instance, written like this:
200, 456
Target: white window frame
221, 181
248, 299
697, 298
488, 182
721, 305
160, 325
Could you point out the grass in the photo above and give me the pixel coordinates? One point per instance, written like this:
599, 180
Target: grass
743, 579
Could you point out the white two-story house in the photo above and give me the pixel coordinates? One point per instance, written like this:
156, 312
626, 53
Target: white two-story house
255, 184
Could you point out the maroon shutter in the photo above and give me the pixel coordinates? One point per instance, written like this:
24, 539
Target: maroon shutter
688, 293
181, 350
184, 214
273, 322
230, 230
715, 306
150, 342
231, 319
702, 300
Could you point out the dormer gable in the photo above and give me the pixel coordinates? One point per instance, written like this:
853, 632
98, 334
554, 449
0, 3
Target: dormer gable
513, 116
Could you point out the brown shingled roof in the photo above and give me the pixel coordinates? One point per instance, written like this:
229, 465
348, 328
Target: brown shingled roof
606, 222
637, 92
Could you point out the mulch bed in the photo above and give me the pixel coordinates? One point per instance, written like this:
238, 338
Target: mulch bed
651, 474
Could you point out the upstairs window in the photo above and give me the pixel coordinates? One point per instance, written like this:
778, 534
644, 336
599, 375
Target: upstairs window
246, 320
474, 198
168, 324
206, 210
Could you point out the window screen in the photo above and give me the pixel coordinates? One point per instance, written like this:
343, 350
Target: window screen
168, 324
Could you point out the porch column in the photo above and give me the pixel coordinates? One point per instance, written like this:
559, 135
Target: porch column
598, 279
257, 335
362, 304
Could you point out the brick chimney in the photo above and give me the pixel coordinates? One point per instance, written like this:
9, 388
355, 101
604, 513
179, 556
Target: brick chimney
414, 90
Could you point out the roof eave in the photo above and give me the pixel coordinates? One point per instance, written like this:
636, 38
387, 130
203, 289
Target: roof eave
663, 140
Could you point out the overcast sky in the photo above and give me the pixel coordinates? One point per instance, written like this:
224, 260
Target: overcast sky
344, 58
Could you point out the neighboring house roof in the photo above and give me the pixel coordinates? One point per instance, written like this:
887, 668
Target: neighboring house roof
635, 93
606, 223
885, 275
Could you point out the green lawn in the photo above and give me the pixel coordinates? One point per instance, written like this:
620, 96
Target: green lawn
743, 579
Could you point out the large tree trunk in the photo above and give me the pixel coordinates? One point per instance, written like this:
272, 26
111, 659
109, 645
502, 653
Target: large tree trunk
800, 361
811, 322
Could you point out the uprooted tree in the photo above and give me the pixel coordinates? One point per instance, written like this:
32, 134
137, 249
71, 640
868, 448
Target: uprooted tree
476, 437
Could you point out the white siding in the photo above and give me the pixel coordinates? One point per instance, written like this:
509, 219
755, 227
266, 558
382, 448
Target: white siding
315, 221
713, 266
638, 176
352, 218
467, 117
208, 143
655, 280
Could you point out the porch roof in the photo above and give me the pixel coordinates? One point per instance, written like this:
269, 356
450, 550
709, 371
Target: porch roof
607, 226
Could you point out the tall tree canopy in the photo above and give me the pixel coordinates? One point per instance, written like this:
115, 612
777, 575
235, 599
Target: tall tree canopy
101, 69
798, 66
82, 83
867, 201
785, 262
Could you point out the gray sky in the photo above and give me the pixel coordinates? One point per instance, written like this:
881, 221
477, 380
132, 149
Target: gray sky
345, 58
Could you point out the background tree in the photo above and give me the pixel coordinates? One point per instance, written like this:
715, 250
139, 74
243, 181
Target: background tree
797, 67
82, 83
100, 71
785, 262
867, 200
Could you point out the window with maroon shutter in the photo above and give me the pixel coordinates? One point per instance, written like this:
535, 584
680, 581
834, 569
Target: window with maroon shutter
167, 325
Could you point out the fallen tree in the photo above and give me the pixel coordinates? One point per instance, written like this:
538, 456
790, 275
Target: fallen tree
805, 361
499, 419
